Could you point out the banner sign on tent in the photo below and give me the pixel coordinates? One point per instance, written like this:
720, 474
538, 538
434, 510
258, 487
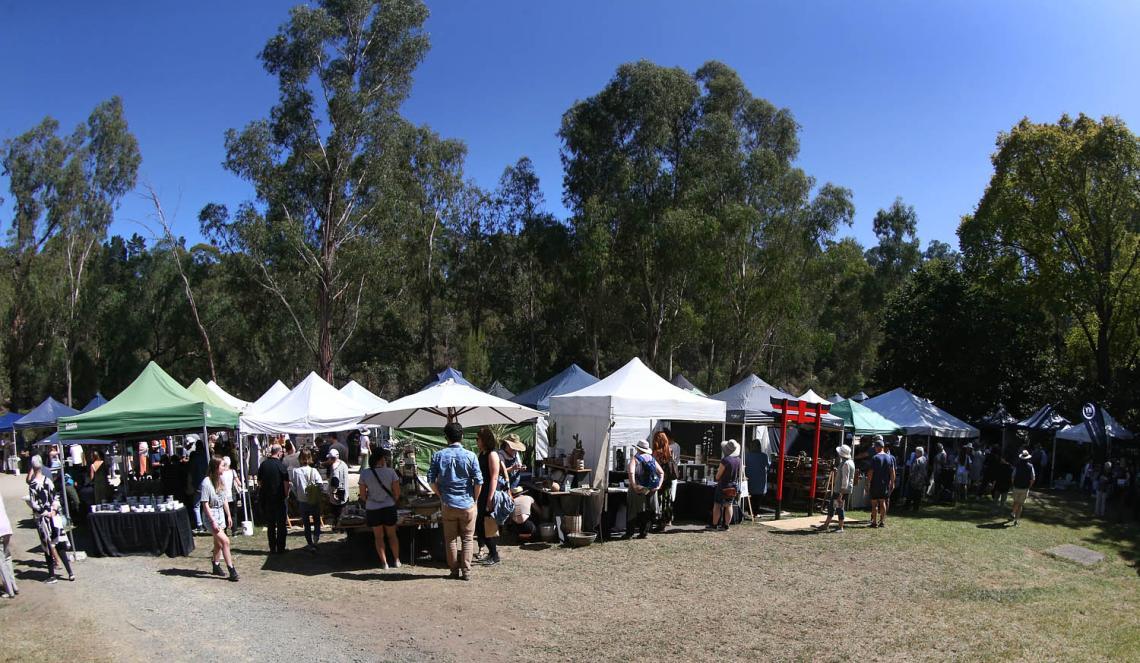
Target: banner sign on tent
1094, 423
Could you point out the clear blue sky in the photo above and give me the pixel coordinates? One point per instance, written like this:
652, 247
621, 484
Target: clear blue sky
894, 98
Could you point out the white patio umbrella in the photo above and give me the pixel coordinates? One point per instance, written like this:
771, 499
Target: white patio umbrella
449, 401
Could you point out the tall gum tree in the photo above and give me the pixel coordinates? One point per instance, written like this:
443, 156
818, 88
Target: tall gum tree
321, 164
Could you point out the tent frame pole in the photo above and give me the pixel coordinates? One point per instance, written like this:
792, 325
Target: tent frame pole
1053, 460
815, 459
780, 469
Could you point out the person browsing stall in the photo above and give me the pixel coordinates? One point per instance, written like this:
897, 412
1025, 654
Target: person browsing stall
338, 483
308, 488
844, 480
1024, 476
511, 460
881, 478
645, 480
380, 492
525, 511
455, 477
274, 484
727, 485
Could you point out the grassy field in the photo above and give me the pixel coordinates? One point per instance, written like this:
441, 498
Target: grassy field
951, 583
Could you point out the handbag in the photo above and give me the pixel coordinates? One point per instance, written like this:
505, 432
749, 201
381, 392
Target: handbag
729, 492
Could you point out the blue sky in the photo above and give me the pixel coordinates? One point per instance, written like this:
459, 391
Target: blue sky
894, 98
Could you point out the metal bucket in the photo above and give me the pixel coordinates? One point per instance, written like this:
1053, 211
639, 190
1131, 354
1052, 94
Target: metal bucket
571, 524
547, 532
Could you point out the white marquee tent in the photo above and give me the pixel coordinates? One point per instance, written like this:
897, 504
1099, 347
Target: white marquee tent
366, 399
268, 399
313, 406
231, 400
918, 416
633, 400
812, 397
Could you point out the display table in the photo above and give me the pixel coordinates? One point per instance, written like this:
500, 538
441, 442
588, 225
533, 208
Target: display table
154, 533
695, 502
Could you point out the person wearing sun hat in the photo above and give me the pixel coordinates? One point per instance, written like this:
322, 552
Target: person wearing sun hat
843, 479
645, 479
509, 451
1023, 479
727, 485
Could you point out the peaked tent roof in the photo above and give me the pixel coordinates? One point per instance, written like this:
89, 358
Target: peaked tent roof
569, 380
153, 402
269, 398
499, 391
231, 400
681, 381
366, 399
97, 401
1045, 418
313, 406
812, 397
634, 390
8, 419
1080, 432
750, 401
44, 415
54, 439
862, 420
860, 397
199, 389
999, 417
918, 416
450, 373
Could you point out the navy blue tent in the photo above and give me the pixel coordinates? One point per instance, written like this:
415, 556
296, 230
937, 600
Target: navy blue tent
94, 403
570, 380
450, 373
750, 402
7, 420
998, 418
44, 415
1047, 419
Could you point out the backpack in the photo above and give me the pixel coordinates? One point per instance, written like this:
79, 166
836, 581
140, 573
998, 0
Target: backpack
648, 471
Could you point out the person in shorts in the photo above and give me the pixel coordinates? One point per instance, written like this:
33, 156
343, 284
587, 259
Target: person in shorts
380, 491
1024, 476
881, 478
844, 480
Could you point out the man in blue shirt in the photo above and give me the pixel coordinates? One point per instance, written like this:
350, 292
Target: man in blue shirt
454, 475
881, 478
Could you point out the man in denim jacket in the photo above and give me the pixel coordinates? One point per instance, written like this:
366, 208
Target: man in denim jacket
454, 476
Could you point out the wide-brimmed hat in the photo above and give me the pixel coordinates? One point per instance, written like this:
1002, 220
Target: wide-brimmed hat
843, 450
514, 442
919, 451
1024, 455
333, 453
730, 448
516, 491
878, 442
969, 445
643, 445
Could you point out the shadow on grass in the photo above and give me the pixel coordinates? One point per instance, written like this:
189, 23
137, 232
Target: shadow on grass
387, 577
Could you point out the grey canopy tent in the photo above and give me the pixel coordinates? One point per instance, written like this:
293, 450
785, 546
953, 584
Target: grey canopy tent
569, 380
1046, 419
450, 373
499, 391
679, 380
749, 402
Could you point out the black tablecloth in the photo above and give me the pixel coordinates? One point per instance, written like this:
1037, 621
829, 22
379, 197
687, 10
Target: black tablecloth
161, 532
695, 502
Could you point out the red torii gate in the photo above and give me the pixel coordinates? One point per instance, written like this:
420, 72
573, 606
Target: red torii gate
797, 412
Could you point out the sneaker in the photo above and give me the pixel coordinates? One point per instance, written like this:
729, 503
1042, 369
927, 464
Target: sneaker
882, 523
383, 566
71, 578
233, 575
51, 580
217, 570
396, 564
479, 556
872, 525
643, 535
454, 575
838, 531
490, 562
464, 576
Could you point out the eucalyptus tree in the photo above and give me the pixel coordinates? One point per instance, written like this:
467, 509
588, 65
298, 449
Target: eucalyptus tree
66, 189
322, 165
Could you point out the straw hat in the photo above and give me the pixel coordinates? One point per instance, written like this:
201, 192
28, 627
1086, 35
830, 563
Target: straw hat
516, 491
730, 448
514, 442
1024, 455
843, 450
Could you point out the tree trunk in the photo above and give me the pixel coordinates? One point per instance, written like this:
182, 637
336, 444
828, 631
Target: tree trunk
324, 340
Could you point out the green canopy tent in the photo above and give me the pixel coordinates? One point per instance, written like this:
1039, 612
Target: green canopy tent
862, 420
153, 403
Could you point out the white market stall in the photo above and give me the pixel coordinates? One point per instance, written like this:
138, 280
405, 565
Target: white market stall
622, 409
312, 407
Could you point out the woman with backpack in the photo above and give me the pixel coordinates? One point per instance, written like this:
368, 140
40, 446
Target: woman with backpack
380, 492
308, 488
645, 480
727, 485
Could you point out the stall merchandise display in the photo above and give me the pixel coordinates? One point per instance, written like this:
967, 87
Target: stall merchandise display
158, 532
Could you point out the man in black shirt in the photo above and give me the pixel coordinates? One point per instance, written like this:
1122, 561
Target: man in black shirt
273, 484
